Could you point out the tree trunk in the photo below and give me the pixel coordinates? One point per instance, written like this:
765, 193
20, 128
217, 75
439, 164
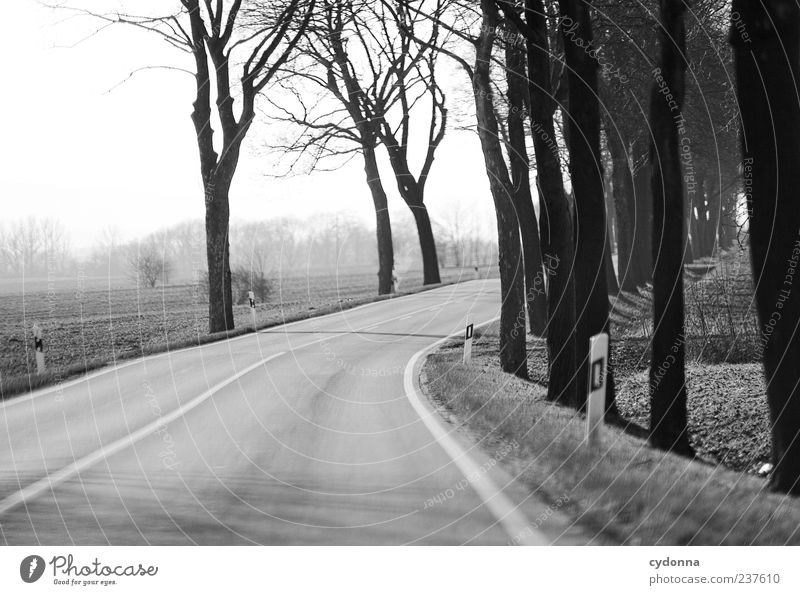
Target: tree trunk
766, 44
513, 356
701, 221
382, 223
695, 208
622, 183
220, 302
412, 192
555, 223
430, 261
642, 226
586, 173
713, 217
668, 418
689, 227
535, 296
727, 222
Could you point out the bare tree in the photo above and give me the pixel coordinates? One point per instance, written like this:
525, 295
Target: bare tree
259, 38
148, 262
414, 66
347, 127
363, 57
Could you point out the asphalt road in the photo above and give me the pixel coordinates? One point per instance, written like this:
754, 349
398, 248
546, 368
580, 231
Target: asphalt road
310, 433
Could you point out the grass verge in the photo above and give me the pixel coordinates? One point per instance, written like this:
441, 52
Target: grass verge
623, 491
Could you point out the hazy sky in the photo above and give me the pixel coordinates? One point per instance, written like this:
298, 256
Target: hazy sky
83, 148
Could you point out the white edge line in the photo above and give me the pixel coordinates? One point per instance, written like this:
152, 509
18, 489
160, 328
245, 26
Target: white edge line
112, 367
50, 481
507, 514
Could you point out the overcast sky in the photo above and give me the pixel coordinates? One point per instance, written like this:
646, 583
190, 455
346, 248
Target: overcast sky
83, 148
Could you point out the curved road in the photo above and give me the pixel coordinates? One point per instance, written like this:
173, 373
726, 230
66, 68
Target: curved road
310, 433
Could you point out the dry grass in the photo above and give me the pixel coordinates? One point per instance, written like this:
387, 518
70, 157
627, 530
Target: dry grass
623, 491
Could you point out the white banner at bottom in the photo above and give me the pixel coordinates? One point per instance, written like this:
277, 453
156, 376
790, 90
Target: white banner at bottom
385, 570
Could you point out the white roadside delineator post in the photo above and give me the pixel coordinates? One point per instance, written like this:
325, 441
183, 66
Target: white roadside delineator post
38, 346
252, 297
468, 333
596, 398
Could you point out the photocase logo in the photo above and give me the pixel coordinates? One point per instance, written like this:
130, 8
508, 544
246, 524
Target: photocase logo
31, 569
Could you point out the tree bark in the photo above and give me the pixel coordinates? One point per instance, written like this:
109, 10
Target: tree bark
712, 197
535, 296
513, 356
622, 183
383, 225
766, 41
430, 260
689, 227
220, 301
586, 173
642, 226
668, 417
693, 229
701, 222
412, 192
555, 223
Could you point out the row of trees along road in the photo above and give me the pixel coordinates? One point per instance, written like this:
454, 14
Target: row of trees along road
356, 52
671, 146
577, 303
593, 87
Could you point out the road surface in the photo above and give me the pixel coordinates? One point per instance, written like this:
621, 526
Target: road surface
310, 433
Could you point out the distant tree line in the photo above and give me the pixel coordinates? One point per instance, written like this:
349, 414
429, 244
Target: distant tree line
34, 247
284, 246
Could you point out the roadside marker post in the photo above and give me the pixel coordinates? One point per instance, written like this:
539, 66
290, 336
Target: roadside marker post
596, 397
38, 346
468, 333
252, 297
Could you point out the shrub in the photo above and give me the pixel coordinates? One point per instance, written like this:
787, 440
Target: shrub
243, 280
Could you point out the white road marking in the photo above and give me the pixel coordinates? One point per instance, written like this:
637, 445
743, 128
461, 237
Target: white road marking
50, 481
507, 514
